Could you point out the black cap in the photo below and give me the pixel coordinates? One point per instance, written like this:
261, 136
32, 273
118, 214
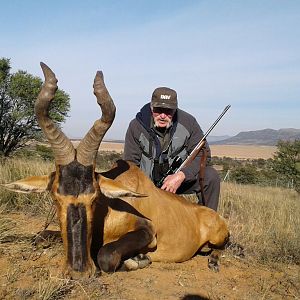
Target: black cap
164, 97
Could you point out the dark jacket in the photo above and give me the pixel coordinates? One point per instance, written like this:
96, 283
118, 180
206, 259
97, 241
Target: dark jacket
142, 145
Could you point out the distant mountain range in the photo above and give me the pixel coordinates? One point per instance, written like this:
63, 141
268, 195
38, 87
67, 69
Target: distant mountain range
267, 137
212, 139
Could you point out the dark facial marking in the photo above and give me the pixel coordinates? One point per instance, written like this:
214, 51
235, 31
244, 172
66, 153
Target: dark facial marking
75, 179
77, 236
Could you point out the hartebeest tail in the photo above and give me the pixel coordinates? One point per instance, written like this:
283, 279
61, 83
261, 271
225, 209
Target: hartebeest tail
119, 217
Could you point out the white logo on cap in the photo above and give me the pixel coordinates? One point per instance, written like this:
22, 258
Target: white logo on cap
167, 97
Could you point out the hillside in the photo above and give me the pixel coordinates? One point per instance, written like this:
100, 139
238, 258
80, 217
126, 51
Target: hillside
268, 137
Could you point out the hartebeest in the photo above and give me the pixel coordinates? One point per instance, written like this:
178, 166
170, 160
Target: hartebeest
117, 218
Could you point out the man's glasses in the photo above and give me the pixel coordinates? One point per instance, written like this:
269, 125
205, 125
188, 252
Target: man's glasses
162, 110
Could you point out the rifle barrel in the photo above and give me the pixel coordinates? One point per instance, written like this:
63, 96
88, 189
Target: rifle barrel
215, 123
204, 137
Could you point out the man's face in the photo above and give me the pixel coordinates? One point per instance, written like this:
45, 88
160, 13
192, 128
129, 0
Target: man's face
162, 116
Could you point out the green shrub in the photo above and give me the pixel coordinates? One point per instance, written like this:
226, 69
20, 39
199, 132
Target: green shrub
35, 152
245, 175
45, 152
106, 159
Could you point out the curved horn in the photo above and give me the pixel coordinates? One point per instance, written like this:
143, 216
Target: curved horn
62, 147
88, 147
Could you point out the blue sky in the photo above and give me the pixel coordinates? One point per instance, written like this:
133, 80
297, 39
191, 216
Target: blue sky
213, 53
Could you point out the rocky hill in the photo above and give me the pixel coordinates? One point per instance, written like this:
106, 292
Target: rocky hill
268, 137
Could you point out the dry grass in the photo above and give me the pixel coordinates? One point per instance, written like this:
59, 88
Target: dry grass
6, 225
14, 169
53, 288
265, 221
17, 168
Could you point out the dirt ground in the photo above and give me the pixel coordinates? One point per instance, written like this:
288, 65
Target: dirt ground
27, 272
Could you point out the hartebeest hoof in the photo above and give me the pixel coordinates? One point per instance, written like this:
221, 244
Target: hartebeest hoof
90, 272
138, 262
213, 263
236, 249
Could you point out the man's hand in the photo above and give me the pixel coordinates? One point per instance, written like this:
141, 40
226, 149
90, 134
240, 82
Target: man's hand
173, 182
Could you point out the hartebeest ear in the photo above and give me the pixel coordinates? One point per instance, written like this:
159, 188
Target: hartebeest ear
33, 184
113, 189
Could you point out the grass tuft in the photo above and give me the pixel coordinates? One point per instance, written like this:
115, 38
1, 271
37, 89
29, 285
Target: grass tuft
54, 288
7, 225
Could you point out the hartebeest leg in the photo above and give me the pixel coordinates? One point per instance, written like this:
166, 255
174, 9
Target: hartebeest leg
111, 255
218, 245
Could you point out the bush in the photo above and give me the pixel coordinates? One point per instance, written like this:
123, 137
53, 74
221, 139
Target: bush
106, 159
35, 152
286, 162
245, 175
45, 152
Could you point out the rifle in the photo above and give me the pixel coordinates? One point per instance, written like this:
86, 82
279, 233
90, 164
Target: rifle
177, 164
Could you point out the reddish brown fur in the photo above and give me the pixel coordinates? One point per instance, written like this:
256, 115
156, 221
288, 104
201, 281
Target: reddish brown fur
181, 227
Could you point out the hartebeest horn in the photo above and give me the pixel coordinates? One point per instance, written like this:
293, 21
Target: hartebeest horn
88, 147
62, 147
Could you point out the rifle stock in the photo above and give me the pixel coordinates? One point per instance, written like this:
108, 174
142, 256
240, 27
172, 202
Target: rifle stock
192, 156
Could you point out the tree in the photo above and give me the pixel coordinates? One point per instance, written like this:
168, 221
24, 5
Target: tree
287, 160
18, 92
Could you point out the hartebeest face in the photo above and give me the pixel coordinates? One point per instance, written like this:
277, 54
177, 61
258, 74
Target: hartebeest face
75, 190
74, 185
